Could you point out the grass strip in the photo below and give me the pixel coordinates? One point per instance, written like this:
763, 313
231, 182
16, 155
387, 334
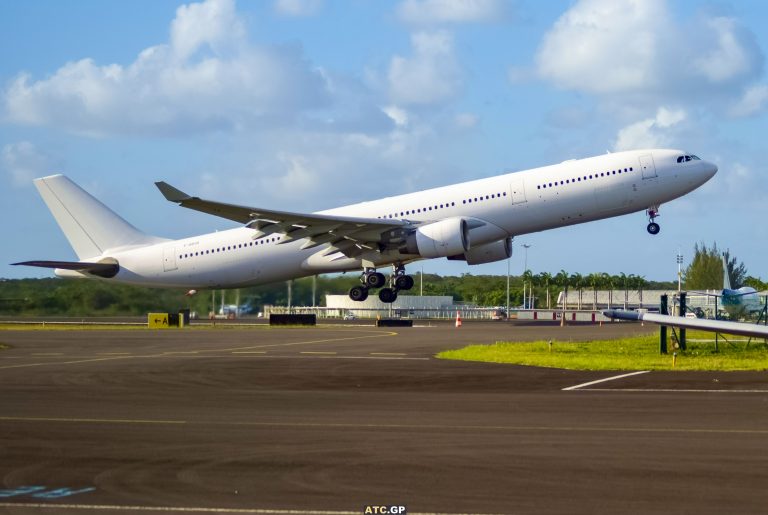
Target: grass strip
635, 353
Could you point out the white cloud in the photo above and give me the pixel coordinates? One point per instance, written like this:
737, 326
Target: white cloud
466, 120
298, 176
24, 162
213, 23
620, 47
653, 132
431, 76
206, 78
450, 11
298, 7
734, 55
398, 115
752, 102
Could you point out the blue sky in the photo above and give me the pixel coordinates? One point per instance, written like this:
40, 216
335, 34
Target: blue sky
310, 104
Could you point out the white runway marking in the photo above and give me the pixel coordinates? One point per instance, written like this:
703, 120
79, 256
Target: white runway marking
672, 390
183, 509
612, 378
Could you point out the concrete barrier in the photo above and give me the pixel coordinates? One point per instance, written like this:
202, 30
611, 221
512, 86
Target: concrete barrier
551, 314
394, 322
292, 319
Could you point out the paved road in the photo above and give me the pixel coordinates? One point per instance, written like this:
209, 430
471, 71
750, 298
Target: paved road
333, 419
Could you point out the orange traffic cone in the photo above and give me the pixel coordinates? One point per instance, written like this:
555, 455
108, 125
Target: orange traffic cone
458, 319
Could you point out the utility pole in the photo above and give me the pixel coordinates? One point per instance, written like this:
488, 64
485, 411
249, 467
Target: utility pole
508, 259
526, 301
290, 295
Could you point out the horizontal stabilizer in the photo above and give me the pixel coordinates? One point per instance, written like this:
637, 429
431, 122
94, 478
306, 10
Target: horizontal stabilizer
106, 270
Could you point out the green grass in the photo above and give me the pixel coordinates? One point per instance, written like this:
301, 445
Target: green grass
635, 353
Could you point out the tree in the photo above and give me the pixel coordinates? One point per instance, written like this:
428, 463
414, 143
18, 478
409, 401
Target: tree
607, 280
577, 281
545, 278
638, 282
706, 269
561, 279
737, 272
527, 279
756, 283
594, 280
624, 279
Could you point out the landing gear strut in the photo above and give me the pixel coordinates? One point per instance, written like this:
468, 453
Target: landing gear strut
370, 278
653, 227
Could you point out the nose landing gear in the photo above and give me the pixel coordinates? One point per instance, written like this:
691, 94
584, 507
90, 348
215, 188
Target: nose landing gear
653, 227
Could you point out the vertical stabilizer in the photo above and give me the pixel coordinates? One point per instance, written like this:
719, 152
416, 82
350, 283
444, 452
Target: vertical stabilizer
90, 226
726, 275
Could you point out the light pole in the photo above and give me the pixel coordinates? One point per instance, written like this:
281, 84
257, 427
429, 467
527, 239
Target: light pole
526, 303
679, 271
508, 287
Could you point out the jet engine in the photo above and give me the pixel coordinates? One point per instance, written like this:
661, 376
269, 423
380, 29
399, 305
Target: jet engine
487, 253
439, 239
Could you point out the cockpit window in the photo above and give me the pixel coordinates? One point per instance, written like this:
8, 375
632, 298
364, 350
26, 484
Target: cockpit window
683, 159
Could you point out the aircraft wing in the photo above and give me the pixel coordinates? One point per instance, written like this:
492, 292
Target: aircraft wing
716, 326
349, 235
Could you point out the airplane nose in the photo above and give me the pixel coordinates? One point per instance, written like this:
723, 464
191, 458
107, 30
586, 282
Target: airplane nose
711, 170
706, 171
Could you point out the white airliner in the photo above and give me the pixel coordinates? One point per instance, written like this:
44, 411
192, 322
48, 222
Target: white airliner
472, 221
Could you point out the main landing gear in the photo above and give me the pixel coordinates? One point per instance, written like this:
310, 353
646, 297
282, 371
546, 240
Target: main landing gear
653, 227
370, 278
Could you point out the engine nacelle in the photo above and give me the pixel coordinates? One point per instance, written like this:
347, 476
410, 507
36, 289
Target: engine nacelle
487, 253
439, 239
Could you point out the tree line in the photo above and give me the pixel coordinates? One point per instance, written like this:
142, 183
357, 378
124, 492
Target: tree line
73, 297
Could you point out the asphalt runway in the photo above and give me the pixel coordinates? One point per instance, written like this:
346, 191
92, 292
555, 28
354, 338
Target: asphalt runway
332, 419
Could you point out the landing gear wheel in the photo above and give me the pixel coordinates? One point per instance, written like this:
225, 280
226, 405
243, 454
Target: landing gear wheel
358, 293
387, 295
375, 280
404, 282
653, 228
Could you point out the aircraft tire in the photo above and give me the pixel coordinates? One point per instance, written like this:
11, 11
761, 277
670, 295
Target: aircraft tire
375, 280
387, 295
358, 293
404, 282
653, 228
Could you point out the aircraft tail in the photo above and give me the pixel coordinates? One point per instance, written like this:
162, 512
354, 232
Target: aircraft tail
90, 226
726, 275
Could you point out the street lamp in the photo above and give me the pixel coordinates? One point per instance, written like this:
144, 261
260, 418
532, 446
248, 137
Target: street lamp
525, 263
526, 304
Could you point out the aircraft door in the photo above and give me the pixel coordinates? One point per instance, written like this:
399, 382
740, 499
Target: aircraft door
647, 166
169, 259
517, 189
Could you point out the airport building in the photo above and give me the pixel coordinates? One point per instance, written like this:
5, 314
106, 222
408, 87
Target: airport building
406, 306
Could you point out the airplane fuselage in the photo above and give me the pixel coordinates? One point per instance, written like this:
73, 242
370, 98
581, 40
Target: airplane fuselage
504, 206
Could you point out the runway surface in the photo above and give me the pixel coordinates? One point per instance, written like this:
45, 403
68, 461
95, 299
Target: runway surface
332, 419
